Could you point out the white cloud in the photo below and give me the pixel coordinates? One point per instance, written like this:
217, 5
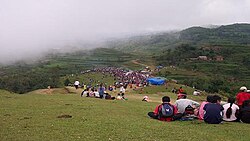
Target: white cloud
30, 27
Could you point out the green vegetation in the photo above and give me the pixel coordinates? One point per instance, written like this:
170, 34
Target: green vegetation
22, 77
64, 116
224, 70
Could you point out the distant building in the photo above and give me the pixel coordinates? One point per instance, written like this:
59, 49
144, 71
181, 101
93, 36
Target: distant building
218, 58
202, 58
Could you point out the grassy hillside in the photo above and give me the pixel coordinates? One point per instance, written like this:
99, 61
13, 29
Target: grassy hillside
179, 49
64, 116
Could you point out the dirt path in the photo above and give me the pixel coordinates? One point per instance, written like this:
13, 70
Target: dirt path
141, 64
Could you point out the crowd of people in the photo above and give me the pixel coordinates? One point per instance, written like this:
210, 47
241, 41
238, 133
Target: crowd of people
102, 92
126, 76
212, 111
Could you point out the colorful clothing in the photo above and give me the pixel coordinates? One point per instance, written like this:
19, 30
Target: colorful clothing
242, 96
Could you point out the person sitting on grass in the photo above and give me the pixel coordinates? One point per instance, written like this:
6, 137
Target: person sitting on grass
196, 93
180, 91
164, 111
85, 93
231, 110
145, 98
242, 96
213, 111
96, 93
244, 115
183, 103
201, 111
109, 97
119, 97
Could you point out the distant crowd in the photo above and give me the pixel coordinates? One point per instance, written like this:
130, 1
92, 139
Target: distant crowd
212, 111
126, 76
122, 79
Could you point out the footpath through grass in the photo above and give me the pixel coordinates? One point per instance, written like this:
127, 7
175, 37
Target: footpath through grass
47, 117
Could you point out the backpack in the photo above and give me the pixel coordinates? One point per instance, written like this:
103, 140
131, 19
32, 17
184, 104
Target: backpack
189, 110
165, 111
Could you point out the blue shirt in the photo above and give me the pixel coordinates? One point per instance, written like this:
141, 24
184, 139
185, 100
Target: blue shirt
213, 113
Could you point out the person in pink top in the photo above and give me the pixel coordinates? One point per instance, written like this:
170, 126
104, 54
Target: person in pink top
201, 111
242, 96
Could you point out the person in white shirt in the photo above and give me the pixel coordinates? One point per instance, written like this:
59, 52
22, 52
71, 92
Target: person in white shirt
96, 93
182, 103
122, 90
231, 110
76, 84
196, 93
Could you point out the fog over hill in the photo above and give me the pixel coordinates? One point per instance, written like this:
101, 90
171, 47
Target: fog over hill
29, 28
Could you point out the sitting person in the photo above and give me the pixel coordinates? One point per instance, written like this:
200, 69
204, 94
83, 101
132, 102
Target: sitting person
201, 111
96, 93
119, 97
91, 93
123, 97
213, 111
145, 98
183, 102
164, 111
180, 91
196, 93
231, 110
85, 92
109, 97
244, 115
242, 96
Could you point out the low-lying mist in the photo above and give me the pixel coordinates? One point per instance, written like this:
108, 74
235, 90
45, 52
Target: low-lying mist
29, 29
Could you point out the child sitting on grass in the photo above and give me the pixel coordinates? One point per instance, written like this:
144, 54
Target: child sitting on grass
213, 111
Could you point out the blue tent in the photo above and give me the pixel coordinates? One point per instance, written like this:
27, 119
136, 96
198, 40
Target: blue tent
156, 80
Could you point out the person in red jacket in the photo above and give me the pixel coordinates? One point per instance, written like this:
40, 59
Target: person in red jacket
164, 111
242, 96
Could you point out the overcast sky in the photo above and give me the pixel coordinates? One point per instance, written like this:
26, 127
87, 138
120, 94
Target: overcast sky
30, 27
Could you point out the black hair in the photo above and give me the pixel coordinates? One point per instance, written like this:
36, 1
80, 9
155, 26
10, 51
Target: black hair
184, 96
246, 103
230, 100
209, 98
165, 99
215, 99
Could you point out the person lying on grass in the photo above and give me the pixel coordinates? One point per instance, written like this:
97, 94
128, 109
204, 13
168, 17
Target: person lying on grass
164, 111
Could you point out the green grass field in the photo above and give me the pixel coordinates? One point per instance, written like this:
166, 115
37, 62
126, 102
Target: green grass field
35, 116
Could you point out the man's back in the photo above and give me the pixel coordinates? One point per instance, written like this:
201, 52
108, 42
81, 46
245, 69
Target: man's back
181, 104
242, 96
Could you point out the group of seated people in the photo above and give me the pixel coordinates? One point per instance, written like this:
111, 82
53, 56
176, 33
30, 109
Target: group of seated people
96, 94
212, 111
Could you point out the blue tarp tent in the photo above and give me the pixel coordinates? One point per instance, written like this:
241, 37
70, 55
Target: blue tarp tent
156, 80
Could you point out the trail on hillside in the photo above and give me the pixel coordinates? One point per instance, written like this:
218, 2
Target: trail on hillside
141, 64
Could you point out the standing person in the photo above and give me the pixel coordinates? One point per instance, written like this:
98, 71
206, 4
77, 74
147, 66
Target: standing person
101, 91
76, 84
213, 111
242, 96
231, 110
164, 111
